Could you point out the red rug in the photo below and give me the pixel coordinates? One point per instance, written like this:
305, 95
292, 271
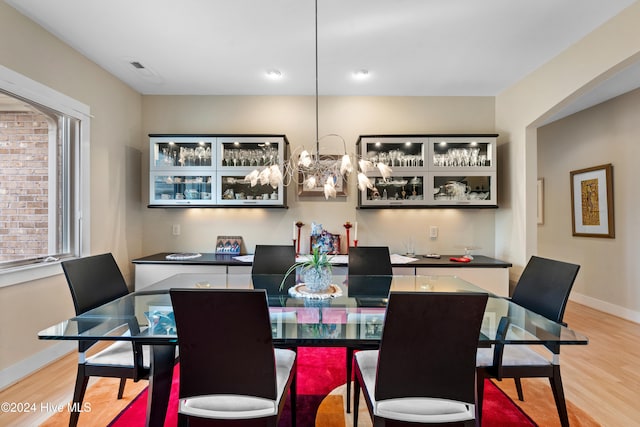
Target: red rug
321, 370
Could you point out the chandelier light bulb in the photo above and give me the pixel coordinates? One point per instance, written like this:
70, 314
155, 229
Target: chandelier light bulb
330, 188
346, 167
310, 183
364, 182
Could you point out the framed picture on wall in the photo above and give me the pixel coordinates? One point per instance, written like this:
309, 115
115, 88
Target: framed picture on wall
592, 202
327, 161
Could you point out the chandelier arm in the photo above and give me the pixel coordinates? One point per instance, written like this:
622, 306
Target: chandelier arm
344, 143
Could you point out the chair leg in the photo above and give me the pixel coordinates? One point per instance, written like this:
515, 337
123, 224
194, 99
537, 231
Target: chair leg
78, 396
349, 371
519, 389
558, 394
123, 381
356, 401
479, 397
293, 393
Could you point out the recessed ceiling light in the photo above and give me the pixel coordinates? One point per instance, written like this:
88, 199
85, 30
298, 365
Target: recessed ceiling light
361, 74
274, 74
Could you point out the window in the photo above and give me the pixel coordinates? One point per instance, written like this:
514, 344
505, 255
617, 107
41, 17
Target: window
42, 136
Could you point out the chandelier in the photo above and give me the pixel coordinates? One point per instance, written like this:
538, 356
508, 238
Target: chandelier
313, 170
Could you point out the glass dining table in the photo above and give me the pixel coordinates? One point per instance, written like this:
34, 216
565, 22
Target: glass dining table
350, 313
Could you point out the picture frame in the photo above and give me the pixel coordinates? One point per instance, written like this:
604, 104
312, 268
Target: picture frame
592, 202
540, 212
228, 245
318, 191
326, 243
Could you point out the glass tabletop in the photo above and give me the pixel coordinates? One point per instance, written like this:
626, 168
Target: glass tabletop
352, 313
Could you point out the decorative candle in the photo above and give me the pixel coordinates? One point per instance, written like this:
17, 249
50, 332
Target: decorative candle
295, 229
355, 231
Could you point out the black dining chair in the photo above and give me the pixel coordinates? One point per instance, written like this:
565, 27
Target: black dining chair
94, 281
544, 288
369, 277
229, 369
270, 263
425, 370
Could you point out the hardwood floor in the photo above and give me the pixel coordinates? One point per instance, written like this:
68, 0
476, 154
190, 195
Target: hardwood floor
602, 378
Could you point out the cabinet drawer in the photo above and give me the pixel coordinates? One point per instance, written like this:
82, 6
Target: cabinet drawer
181, 152
462, 153
249, 152
181, 189
400, 153
395, 190
458, 189
234, 189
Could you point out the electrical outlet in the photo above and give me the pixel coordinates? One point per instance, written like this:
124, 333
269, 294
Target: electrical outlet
175, 230
433, 232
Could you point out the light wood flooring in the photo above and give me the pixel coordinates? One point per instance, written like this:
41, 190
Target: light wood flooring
602, 378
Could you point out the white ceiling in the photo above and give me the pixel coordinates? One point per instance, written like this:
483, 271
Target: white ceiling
410, 47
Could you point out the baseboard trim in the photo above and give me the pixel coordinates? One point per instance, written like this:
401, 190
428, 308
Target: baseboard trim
29, 365
606, 307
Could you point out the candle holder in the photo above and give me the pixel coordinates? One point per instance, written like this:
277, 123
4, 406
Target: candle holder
355, 243
299, 224
347, 225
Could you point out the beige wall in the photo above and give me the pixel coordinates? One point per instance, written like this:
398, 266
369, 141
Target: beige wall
119, 166
115, 211
522, 106
295, 117
607, 133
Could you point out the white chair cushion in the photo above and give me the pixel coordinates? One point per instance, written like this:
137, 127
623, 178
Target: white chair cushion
120, 353
410, 409
225, 406
513, 355
424, 410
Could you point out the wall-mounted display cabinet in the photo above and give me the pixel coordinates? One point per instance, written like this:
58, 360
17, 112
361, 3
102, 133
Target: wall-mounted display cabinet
210, 170
431, 171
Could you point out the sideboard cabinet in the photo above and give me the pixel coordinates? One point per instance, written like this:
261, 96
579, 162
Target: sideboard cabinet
210, 170
430, 171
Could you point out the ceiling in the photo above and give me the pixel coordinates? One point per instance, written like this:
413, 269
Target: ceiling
409, 47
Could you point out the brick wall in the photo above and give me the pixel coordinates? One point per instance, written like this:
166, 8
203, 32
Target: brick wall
24, 157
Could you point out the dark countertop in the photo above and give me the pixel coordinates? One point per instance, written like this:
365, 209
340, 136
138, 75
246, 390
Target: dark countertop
479, 261
205, 259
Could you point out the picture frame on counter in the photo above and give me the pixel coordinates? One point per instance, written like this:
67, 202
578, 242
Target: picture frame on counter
228, 245
592, 202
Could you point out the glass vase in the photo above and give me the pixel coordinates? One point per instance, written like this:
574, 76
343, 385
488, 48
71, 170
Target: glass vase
317, 280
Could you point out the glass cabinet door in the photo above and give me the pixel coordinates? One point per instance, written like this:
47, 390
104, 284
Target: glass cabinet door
473, 188
399, 153
451, 153
183, 189
233, 189
249, 152
395, 190
182, 152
